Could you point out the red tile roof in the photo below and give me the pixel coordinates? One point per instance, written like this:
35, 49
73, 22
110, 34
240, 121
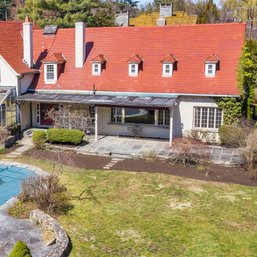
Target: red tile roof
11, 46
169, 59
190, 43
213, 58
99, 58
54, 58
136, 59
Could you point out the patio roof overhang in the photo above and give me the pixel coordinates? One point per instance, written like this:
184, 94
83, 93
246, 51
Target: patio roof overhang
100, 100
5, 92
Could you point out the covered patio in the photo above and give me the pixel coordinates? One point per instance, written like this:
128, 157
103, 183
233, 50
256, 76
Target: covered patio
114, 115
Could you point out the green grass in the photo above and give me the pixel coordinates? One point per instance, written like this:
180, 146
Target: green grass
143, 214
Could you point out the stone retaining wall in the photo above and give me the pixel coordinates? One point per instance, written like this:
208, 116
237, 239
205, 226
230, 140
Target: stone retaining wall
61, 248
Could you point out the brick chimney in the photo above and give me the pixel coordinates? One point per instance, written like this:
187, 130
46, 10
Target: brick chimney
28, 43
80, 48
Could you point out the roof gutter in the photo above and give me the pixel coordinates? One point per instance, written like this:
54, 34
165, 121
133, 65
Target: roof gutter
88, 92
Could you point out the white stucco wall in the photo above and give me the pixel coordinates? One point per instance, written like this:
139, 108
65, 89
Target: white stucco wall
182, 122
8, 76
107, 128
25, 115
184, 113
25, 82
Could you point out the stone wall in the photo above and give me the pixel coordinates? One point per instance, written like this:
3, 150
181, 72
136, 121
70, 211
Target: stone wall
61, 248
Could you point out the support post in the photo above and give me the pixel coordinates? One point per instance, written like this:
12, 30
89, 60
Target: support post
96, 123
171, 126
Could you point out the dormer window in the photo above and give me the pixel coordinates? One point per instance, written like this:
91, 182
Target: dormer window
211, 66
167, 70
50, 73
133, 69
52, 65
96, 69
98, 64
168, 65
135, 64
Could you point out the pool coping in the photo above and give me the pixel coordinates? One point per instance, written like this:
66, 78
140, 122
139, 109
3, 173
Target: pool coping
36, 170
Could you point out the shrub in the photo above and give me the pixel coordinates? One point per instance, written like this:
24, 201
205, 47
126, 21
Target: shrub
20, 249
39, 138
46, 193
231, 136
62, 135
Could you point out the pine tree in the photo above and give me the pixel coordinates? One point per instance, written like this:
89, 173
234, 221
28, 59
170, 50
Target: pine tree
65, 13
5, 9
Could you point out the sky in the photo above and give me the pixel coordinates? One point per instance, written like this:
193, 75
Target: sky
148, 1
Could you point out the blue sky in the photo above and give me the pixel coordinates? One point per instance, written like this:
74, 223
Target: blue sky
147, 1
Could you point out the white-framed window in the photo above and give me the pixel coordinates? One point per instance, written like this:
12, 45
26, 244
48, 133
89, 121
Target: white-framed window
50, 73
92, 113
207, 117
133, 69
140, 116
117, 115
167, 69
163, 117
210, 70
96, 69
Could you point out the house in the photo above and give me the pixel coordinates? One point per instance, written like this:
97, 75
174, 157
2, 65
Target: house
166, 16
157, 82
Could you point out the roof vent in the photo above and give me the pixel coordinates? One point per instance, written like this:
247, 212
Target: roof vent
50, 30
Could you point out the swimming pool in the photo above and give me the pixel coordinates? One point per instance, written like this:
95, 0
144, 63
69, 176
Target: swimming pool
11, 177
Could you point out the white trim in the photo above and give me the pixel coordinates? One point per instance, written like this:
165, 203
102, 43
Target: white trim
99, 67
50, 81
90, 92
133, 74
213, 66
164, 73
9, 66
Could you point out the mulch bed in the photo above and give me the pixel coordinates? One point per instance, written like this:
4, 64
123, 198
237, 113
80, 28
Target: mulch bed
208, 172
70, 158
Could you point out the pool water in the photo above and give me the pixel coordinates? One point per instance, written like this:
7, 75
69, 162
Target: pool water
11, 178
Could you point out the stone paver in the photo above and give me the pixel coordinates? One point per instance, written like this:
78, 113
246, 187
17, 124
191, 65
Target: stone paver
131, 147
12, 230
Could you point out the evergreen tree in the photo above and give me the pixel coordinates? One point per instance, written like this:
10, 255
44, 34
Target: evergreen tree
65, 13
207, 12
5, 9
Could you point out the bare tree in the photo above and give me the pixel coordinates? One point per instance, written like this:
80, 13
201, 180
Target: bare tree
249, 152
3, 135
70, 116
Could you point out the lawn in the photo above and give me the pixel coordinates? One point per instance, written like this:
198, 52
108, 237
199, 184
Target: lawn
145, 214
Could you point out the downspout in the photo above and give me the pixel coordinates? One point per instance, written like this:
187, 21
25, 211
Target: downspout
18, 92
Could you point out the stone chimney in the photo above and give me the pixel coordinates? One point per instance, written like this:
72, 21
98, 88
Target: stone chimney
80, 48
122, 19
166, 10
28, 43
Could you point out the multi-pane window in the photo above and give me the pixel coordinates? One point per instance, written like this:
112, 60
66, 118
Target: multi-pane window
207, 117
163, 117
210, 69
116, 114
92, 113
50, 72
96, 69
140, 116
167, 70
133, 69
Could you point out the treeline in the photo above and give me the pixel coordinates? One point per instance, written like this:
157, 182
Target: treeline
102, 13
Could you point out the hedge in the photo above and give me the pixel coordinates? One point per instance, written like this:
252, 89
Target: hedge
65, 136
20, 249
39, 138
231, 136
